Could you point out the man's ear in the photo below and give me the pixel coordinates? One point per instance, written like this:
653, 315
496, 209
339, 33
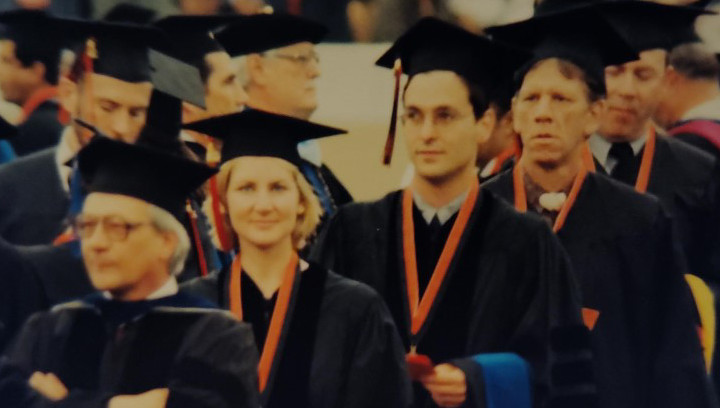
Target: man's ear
671, 78
38, 70
256, 70
190, 112
485, 125
68, 95
170, 242
593, 123
513, 102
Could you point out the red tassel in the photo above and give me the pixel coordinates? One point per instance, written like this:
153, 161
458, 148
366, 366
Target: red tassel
390, 141
64, 238
196, 238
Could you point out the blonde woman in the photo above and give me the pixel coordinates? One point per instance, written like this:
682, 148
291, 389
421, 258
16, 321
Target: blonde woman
324, 340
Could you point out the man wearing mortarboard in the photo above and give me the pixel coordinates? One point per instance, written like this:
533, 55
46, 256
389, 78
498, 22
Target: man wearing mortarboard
631, 149
30, 49
623, 249
279, 73
628, 146
195, 44
138, 341
58, 271
108, 87
461, 271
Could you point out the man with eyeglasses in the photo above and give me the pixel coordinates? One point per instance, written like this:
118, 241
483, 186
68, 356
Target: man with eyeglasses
139, 341
461, 272
279, 74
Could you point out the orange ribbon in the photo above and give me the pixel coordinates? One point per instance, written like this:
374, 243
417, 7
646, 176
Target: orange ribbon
37, 99
512, 151
643, 178
590, 317
420, 308
192, 216
521, 196
278, 317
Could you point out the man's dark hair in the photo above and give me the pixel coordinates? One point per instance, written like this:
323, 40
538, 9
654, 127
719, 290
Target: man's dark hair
479, 98
29, 52
695, 61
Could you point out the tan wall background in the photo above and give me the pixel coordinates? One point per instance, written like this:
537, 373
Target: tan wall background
356, 95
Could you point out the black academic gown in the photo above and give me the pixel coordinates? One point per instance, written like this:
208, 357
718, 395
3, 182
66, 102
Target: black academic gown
100, 348
34, 204
338, 192
21, 292
508, 289
687, 182
338, 347
645, 344
41, 130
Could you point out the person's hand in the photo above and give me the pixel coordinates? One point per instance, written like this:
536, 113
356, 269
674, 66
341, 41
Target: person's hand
447, 385
48, 385
156, 398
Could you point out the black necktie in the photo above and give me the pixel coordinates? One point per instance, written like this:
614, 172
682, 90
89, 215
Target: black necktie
435, 228
627, 166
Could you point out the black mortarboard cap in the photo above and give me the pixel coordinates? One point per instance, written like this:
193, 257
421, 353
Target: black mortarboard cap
118, 50
173, 82
164, 180
263, 32
434, 45
647, 25
192, 35
577, 34
254, 132
34, 34
130, 13
7, 130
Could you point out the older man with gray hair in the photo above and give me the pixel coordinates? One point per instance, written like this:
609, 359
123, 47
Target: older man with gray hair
138, 341
279, 67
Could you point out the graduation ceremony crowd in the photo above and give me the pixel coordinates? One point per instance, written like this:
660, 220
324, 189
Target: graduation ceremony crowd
171, 237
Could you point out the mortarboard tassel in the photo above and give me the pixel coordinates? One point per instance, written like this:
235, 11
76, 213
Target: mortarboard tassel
192, 216
390, 142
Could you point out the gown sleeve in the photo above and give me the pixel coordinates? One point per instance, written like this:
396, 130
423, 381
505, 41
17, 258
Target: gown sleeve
678, 370
20, 363
219, 371
378, 375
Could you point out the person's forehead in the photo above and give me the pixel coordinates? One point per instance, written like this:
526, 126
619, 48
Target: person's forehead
120, 91
261, 169
435, 87
7, 46
297, 47
218, 60
655, 58
104, 204
550, 74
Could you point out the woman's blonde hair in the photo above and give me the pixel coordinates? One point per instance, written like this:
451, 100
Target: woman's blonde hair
307, 222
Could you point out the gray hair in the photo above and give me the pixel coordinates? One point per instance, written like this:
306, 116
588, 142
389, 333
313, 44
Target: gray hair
166, 222
695, 61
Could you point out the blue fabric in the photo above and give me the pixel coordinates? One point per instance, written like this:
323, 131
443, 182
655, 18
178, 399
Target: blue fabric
507, 380
311, 174
6, 152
